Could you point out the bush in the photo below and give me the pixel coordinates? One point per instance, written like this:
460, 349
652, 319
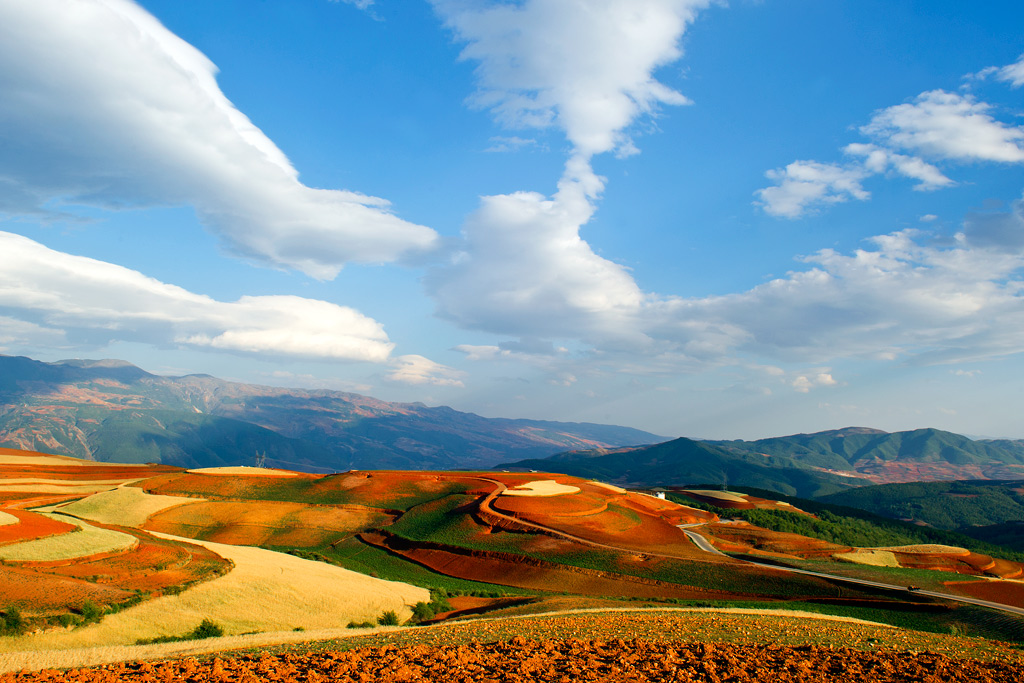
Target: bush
389, 618
206, 629
422, 611
360, 624
11, 624
91, 612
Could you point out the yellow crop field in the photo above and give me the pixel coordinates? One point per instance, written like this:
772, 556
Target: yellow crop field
247, 471
873, 557
265, 591
720, 495
66, 488
543, 488
10, 458
88, 540
125, 506
928, 549
610, 487
6, 519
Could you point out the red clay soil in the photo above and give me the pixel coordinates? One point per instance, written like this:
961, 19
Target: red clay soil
35, 593
266, 523
154, 565
561, 661
1005, 592
514, 570
31, 526
777, 542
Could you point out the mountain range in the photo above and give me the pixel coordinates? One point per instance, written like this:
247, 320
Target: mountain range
110, 410
805, 465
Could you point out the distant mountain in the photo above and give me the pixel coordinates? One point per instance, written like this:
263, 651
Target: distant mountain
882, 457
802, 464
684, 461
113, 411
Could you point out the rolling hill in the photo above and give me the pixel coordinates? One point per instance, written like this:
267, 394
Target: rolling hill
113, 411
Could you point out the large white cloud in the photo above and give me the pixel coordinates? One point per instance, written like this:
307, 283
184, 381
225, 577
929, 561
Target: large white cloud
586, 68
947, 126
69, 301
102, 105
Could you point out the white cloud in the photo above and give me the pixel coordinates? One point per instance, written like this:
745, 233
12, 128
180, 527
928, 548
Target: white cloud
946, 125
939, 125
413, 369
814, 380
583, 66
879, 160
84, 302
101, 105
1013, 73
586, 68
524, 270
805, 184
928, 218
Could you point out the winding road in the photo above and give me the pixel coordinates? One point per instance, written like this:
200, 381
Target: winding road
706, 546
703, 544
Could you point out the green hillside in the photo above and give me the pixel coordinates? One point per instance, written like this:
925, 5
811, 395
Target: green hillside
844, 449
945, 504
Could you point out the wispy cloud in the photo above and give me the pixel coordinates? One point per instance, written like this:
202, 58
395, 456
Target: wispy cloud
413, 369
103, 106
907, 140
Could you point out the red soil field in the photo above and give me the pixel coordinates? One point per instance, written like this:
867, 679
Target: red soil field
564, 661
266, 523
749, 536
1005, 592
513, 570
154, 565
35, 593
31, 526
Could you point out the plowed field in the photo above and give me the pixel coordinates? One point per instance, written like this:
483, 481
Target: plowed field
565, 661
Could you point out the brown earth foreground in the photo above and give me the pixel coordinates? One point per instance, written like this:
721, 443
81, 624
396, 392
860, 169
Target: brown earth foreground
564, 661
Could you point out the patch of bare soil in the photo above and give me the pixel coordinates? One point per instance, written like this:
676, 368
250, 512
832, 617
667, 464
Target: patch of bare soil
564, 661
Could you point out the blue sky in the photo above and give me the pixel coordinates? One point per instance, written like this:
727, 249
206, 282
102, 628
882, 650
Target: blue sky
704, 219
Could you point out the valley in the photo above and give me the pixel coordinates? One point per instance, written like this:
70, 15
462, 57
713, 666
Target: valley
101, 556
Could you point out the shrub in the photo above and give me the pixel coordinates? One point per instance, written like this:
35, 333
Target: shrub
360, 624
389, 618
11, 624
91, 612
422, 611
206, 629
